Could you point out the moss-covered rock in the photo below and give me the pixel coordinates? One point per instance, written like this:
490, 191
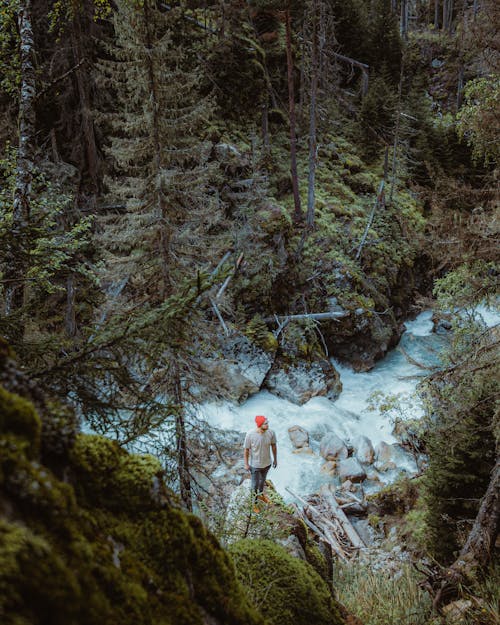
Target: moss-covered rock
18, 417
286, 589
104, 545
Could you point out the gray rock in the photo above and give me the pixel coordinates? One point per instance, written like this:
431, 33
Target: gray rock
332, 447
388, 465
364, 449
299, 383
241, 370
329, 467
293, 546
252, 362
298, 436
383, 452
350, 469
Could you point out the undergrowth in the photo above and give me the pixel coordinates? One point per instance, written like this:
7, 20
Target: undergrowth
382, 597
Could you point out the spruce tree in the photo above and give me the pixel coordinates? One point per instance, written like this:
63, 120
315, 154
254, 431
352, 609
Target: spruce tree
159, 162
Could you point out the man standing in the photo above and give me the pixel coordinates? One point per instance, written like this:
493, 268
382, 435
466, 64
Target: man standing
257, 454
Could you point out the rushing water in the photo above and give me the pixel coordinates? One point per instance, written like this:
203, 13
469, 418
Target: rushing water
351, 415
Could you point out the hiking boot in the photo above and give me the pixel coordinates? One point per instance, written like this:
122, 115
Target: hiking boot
256, 509
263, 498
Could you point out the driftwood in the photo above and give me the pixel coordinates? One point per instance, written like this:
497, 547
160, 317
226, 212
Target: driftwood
328, 495
337, 531
326, 537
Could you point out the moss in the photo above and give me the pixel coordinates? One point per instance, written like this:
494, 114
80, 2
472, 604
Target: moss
19, 417
317, 560
397, 498
286, 590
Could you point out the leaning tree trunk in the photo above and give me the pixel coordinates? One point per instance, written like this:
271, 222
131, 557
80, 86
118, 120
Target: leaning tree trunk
478, 548
16, 266
293, 133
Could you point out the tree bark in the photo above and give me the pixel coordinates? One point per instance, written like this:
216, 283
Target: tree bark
85, 107
16, 266
181, 443
404, 19
478, 548
293, 134
436, 14
161, 208
312, 117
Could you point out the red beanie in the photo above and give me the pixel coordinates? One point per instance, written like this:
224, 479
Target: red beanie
259, 420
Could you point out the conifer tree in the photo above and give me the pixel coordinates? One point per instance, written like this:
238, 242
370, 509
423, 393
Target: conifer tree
159, 163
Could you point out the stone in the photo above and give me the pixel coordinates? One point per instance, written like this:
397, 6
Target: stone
457, 612
383, 467
348, 485
300, 382
293, 546
241, 370
383, 452
364, 449
350, 469
329, 467
332, 447
298, 436
303, 450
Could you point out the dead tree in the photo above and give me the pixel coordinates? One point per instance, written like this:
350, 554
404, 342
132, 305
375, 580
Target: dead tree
16, 268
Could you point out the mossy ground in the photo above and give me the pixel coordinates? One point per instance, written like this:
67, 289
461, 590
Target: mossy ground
107, 545
285, 589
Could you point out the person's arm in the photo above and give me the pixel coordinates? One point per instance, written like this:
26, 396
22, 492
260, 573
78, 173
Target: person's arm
275, 455
246, 454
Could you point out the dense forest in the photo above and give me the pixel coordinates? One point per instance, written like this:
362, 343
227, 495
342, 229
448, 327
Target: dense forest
202, 200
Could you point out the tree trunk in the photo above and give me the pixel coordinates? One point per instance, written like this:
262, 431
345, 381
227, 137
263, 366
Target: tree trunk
293, 135
70, 316
312, 117
478, 548
404, 19
82, 82
16, 265
181, 443
436, 14
164, 235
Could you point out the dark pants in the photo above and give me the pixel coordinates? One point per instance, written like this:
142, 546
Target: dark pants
259, 478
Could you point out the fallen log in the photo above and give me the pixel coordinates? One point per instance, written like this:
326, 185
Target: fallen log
329, 539
329, 496
318, 316
328, 525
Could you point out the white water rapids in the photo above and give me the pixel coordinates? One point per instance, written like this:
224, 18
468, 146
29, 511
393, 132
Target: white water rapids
349, 416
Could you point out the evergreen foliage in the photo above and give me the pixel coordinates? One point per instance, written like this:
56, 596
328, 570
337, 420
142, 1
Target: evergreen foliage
462, 435
160, 168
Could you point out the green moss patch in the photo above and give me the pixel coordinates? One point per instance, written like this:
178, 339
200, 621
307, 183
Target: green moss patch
285, 589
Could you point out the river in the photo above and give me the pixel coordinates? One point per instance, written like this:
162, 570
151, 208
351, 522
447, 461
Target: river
352, 414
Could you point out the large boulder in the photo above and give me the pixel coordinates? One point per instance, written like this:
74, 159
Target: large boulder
383, 452
364, 449
241, 370
332, 447
350, 469
299, 382
298, 436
